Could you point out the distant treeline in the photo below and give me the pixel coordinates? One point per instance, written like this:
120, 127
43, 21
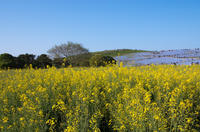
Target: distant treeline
8, 61
42, 61
73, 54
24, 60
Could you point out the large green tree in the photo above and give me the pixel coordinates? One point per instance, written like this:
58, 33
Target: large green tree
7, 61
25, 60
43, 60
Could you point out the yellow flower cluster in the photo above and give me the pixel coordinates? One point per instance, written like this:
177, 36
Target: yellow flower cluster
145, 98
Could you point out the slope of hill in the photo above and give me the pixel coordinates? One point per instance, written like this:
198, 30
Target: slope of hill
118, 52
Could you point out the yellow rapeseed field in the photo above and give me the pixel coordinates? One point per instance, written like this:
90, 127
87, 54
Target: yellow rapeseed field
145, 98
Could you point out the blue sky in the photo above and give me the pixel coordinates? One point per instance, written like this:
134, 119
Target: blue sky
34, 26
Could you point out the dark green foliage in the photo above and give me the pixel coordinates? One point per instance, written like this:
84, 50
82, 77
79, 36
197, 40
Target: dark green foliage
24, 60
7, 61
99, 60
43, 60
82, 60
104, 123
60, 62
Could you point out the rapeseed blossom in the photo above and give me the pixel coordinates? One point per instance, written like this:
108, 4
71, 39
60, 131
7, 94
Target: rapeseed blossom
145, 98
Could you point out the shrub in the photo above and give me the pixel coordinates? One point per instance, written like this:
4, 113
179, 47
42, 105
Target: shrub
99, 60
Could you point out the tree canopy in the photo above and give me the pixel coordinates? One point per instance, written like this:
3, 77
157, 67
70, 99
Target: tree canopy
6, 61
66, 50
43, 60
24, 60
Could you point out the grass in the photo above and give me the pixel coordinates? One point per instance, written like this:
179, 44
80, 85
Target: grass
118, 52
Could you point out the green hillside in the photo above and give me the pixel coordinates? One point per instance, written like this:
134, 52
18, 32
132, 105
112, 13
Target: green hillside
117, 52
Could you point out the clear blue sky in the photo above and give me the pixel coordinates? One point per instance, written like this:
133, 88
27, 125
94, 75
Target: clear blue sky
34, 26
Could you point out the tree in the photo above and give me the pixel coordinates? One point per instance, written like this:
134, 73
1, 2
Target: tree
66, 50
99, 60
25, 60
43, 60
7, 61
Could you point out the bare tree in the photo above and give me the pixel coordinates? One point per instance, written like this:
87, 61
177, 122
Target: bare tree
66, 50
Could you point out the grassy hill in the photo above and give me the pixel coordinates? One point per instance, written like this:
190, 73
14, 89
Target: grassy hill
83, 59
117, 52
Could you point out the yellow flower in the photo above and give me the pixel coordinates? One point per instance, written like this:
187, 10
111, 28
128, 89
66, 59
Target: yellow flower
69, 129
189, 120
122, 127
21, 118
19, 109
156, 117
41, 113
51, 122
91, 100
84, 99
5, 119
